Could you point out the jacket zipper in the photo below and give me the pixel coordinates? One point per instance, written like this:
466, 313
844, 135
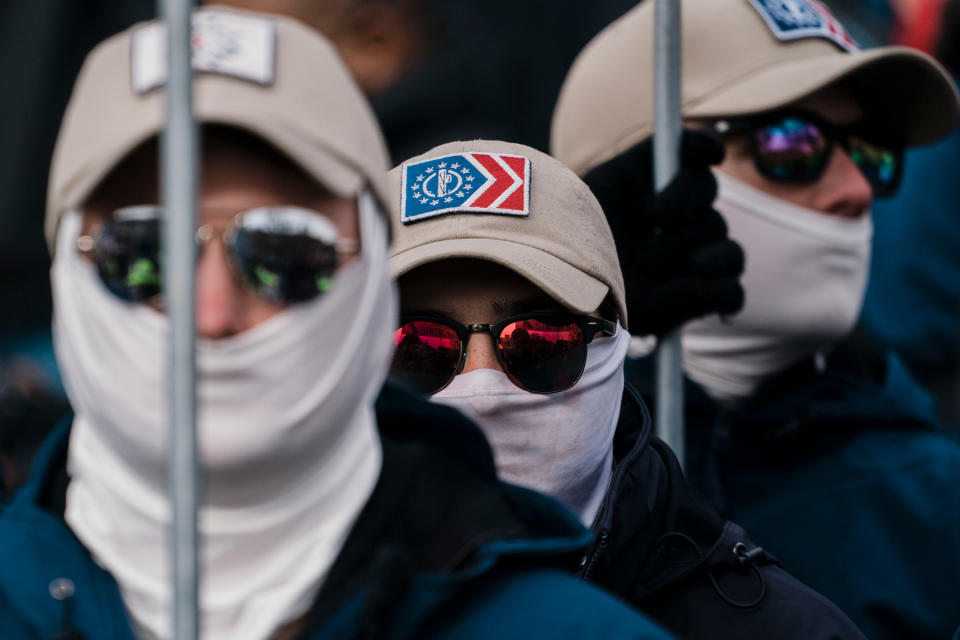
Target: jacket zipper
595, 554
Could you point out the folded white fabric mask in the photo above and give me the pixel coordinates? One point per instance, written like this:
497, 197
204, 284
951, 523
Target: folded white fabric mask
286, 435
560, 444
805, 278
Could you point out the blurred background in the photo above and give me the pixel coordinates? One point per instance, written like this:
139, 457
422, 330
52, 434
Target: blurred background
437, 70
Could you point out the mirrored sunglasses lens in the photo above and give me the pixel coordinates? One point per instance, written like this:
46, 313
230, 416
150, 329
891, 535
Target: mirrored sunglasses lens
881, 166
128, 258
543, 356
282, 264
791, 149
426, 356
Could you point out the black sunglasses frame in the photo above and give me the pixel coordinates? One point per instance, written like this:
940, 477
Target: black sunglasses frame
590, 326
833, 134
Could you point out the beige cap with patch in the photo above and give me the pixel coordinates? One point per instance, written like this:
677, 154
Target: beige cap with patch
509, 204
271, 76
741, 57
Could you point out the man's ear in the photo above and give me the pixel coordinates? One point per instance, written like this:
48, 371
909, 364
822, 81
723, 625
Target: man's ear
378, 42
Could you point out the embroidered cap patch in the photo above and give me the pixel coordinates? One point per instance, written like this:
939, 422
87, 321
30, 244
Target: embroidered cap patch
229, 44
797, 19
469, 182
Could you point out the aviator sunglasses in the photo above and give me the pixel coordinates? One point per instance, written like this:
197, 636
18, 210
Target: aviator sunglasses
540, 352
796, 146
283, 254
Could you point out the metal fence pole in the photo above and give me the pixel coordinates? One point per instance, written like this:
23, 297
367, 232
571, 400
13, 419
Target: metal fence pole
179, 183
668, 121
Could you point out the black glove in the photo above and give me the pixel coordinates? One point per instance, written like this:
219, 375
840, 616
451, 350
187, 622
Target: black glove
678, 262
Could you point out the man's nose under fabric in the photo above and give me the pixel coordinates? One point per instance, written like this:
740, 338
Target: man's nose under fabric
560, 443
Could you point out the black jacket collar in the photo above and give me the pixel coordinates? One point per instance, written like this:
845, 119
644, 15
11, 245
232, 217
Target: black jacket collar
653, 528
664, 549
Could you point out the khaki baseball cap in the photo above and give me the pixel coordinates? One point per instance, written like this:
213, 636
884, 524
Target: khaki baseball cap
271, 76
512, 205
741, 57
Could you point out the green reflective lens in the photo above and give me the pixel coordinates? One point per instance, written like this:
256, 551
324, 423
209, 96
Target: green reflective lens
880, 166
128, 254
285, 254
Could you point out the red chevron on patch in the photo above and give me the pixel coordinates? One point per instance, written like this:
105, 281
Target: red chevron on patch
508, 190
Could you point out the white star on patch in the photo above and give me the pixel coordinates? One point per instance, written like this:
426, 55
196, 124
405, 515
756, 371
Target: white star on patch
423, 201
467, 186
420, 178
434, 202
442, 165
448, 199
455, 165
415, 187
469, 178
461, 194
466, 170
430, 169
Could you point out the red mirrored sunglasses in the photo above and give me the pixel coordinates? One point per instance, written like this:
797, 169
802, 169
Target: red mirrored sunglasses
540, 352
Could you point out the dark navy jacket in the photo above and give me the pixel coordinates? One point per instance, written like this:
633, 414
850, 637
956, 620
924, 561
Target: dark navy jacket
441, 550
843, 475
913, 294
661, 547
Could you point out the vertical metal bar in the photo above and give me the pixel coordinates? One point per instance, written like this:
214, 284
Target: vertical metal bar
179, 147
668, 121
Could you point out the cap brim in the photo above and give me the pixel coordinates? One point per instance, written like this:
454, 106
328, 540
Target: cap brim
324, 166
905, 90
571, 287
332, 173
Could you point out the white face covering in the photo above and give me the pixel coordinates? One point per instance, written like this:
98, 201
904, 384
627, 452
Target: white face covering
560, 444
286, 434
805, 278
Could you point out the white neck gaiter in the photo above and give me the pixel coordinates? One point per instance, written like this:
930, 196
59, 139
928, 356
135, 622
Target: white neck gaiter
560, 444
286, 434
805, 277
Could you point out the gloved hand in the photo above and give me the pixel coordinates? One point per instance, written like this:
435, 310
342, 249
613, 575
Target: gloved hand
678, 262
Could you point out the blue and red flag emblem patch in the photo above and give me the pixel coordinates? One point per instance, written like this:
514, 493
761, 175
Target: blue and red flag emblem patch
797, 19
468, 182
